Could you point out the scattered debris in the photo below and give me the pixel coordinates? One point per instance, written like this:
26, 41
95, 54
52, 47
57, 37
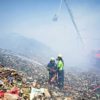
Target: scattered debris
78, 86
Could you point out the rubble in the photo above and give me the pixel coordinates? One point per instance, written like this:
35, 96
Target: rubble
78, 86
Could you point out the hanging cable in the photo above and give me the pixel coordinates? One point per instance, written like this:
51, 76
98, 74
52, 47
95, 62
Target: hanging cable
58, 12
73, 21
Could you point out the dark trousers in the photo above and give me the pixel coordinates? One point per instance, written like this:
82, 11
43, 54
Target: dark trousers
61, 78
51, 75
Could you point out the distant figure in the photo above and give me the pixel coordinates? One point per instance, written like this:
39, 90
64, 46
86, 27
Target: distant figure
1, 65
60, 67
10, 79
52, 68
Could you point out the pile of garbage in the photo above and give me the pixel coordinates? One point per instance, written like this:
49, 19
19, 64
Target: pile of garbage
16, 85
10, 83
83, 85
13, 86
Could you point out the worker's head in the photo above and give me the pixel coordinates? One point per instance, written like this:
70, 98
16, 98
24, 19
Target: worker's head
52, 59
59, 57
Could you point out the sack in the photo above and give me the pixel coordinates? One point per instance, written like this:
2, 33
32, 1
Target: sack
1, 93
54, 78
9, 96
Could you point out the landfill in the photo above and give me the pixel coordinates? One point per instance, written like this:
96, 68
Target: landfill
78, 86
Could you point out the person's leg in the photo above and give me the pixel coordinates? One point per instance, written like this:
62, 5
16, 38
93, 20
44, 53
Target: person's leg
58, 78
53, 79
50, 77
61, 79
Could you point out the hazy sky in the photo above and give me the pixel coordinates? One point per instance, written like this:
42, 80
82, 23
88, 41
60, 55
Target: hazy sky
34, 19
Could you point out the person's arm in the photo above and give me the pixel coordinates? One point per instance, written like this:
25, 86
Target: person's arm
47, 67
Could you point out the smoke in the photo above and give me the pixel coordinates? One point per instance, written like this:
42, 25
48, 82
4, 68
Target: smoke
36, 22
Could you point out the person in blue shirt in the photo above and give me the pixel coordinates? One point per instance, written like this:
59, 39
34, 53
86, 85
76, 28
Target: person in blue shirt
52, 68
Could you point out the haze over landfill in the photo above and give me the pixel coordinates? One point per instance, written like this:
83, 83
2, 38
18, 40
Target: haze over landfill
34, 19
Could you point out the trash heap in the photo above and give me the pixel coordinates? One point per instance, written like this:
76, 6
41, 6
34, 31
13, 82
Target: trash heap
16, 85
83, 85
17, 88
